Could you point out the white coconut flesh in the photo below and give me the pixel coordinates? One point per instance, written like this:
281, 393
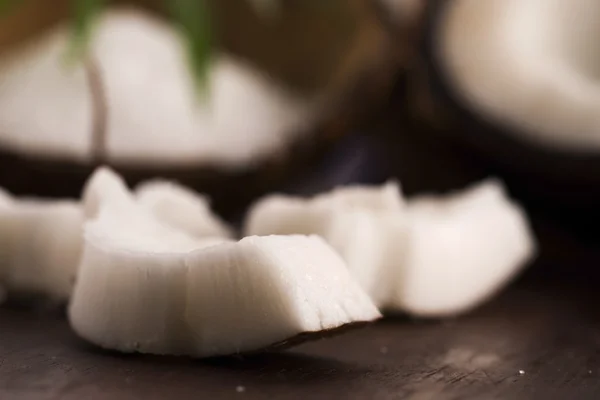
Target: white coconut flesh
161, 294
102, 187
46, 105
463, 249
531, 65
40, 246
181, 208
373, 245
438, 257
359, 222
284, 215
41, 240
156, 204
152, 117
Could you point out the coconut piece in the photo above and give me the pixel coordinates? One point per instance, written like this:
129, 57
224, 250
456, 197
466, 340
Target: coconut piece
182, 208
463, 249
130, 290
103, 186
141, 291
171, 204
528, 66
364, 224
41, 245
106, 189
284, 215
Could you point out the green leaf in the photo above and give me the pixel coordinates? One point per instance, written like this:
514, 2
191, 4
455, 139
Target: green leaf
85, 14
194, 22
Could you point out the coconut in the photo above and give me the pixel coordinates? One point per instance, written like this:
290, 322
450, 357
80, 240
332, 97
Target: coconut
42, 239
131, 105
464, 247
41, 246
514, 82
436, 256
157, 291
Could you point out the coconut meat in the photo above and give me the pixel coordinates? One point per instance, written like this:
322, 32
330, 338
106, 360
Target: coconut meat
145, 110
463, 249
41, 245
531, 65
182, 208
45, 103
434, 257
154, 292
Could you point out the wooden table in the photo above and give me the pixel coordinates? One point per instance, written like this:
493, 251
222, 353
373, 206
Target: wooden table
536, 341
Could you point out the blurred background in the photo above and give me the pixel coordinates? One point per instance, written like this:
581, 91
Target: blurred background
238, 98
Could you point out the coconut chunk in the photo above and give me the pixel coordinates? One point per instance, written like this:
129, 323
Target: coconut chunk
106, 189
169, 203
271, 290
141, 291
103, 186
364, 224
41, 246
439, 256
182, 208
130, 290
284, 215
463, 249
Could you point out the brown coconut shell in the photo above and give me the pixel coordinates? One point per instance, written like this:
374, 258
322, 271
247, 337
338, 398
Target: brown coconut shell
560, 189
358, 83
571, 178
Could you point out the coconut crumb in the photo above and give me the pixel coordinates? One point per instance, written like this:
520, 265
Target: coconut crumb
240, 389
521, 372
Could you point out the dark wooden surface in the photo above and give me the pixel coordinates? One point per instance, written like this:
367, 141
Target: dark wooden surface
549, 331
